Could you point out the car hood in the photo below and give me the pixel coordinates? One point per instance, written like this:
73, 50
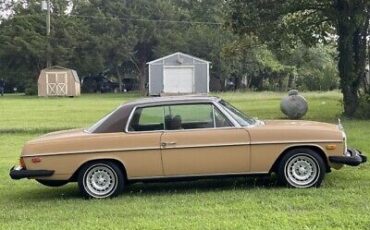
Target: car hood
297, 124
294, 131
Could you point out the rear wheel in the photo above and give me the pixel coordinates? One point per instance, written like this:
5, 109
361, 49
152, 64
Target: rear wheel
52, 183
301, 168
100, 179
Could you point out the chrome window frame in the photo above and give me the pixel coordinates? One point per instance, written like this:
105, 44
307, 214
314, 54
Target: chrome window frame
232, 121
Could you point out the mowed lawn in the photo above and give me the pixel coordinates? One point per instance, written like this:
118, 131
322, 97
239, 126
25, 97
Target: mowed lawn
343, 201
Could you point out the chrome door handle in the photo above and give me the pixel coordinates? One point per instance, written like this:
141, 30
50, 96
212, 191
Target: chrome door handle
164, 144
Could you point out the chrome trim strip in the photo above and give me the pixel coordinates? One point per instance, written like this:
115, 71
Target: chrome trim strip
129, 119
94, 151
198, 175
204, 146
295, 142
200, 129
135, 149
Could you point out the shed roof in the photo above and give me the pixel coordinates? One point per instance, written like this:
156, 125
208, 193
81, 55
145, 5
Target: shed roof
57, 67
178, 53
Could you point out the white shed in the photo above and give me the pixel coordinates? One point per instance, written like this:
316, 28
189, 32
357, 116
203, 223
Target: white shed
178, 73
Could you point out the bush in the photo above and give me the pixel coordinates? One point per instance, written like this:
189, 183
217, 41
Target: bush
363, 110
31, 89
324, 79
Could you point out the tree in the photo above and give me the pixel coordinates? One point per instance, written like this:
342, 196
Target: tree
312, 21
22, 44
23, 41
110, 37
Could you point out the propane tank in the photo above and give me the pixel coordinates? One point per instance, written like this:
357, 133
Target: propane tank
294, 106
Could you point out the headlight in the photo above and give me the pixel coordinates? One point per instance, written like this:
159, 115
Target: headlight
340, 126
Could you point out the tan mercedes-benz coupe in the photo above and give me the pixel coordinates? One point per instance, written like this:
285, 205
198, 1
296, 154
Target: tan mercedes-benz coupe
184, 137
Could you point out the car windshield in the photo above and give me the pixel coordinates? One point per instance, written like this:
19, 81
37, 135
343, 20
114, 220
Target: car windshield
239, 116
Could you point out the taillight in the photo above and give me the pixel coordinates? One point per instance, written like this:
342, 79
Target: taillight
21, 163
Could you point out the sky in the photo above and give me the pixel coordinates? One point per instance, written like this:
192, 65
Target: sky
5, 13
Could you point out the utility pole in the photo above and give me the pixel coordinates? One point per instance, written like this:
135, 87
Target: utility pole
48, 56
45, 5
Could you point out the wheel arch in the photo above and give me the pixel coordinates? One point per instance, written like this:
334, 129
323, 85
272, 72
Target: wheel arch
120, 164
313, 147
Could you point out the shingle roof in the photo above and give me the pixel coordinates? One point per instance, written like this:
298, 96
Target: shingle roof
178, 53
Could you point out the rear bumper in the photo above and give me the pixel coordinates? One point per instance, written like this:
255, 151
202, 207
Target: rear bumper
353, 157
18, 172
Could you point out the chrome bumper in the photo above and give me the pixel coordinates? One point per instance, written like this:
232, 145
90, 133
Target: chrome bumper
17, 172
353, 157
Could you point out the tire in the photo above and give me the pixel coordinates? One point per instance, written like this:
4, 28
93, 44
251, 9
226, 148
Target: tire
301, 168
100, 179
52, 183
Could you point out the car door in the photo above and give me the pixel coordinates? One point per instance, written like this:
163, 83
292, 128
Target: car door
143, 139
200, 140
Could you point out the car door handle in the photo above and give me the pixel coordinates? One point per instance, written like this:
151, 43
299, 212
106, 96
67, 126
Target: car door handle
164, 144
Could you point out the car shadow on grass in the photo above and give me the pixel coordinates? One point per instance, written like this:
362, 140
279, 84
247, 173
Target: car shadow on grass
202, 185
70, 192
262, 182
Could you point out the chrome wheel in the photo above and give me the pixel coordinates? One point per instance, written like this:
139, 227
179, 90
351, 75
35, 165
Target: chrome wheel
100, 180
302, 170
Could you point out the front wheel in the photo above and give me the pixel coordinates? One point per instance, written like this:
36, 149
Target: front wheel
100, 179
301, 168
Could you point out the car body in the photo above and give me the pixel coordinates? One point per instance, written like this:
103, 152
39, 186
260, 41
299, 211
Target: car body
182, 137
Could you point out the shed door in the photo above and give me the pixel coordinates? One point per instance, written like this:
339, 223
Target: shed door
56, 84
178, 80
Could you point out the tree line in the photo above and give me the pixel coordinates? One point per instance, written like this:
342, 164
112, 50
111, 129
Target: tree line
258, 45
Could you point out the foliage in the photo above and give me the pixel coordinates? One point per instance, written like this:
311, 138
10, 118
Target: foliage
119, 37
31, 88
315, 67
363, 111
312, 21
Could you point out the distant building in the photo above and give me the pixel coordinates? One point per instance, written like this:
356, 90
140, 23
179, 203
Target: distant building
58, 81
178, 73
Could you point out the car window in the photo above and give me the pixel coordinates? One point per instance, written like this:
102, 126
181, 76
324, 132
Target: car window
147, 119
193, 116
239, 116
220, 119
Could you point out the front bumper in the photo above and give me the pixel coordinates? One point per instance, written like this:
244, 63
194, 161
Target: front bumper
18, 172
353, 157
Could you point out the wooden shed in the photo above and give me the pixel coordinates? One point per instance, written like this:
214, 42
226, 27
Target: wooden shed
58, 81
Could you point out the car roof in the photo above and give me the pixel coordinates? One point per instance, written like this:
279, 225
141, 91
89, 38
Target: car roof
173, 99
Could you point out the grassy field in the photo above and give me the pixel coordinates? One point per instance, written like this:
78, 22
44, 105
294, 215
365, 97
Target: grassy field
343, 201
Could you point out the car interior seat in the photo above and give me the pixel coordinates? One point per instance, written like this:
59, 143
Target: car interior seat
176, 122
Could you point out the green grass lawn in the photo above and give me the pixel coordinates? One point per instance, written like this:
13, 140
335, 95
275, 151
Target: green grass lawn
343, 201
